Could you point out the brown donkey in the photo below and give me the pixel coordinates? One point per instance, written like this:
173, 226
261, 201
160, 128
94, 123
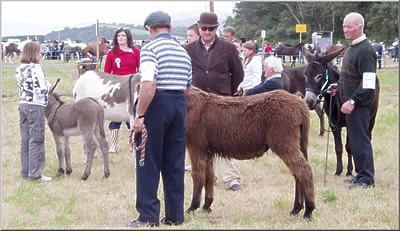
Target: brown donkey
244, 128
84, 117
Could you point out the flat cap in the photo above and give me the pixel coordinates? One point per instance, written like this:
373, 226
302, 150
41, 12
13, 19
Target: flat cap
157, 16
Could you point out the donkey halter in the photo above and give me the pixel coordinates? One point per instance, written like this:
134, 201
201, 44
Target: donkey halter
324, 85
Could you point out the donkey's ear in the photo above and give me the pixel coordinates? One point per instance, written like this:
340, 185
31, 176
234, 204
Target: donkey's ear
55, 86
329, 57
307, 54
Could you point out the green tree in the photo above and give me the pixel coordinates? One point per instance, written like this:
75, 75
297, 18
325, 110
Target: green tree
279, 19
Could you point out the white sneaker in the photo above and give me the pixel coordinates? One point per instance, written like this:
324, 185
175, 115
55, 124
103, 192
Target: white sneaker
45, 178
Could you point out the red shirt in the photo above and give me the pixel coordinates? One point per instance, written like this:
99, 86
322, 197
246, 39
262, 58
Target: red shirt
128, 62
268, 48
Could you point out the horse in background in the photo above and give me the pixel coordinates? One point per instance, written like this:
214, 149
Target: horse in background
76, 48
93, 48
292, 51
10, 49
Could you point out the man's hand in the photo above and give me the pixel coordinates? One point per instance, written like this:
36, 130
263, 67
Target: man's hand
333, 88
347, 107
137, 124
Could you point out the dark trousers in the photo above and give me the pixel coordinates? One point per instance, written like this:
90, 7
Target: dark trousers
165, 120
379, 61
360, 143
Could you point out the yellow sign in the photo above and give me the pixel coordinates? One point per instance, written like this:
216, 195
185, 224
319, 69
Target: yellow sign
301, 28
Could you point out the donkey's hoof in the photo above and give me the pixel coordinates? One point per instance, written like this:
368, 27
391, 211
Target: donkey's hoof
69, 171
349, 174
207, 209
60, 172
190, 210
307, 216
106, 175
295, 212
84, 177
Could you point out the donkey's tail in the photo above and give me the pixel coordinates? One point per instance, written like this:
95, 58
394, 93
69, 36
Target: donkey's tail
100, 118
304, 129
100, 121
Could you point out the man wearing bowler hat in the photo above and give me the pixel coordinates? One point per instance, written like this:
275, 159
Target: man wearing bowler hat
161, 111
217, 68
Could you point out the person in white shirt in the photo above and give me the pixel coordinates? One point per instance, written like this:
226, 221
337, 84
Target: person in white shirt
252, 66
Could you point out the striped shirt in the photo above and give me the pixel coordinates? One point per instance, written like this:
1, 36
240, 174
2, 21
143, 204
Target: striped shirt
166, 61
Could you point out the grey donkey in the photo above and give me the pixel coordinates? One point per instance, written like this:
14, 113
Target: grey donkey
84, 117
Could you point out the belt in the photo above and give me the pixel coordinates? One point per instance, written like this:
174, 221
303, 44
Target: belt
170, 91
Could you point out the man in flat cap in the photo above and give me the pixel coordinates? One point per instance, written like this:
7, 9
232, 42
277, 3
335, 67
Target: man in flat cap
217, 68
161, 110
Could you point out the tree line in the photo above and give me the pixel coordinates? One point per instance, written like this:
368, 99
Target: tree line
279, 19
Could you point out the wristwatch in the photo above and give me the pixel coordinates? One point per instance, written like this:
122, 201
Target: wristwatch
352, 101
137, 116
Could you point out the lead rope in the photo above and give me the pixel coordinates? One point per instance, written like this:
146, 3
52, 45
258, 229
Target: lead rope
142, 146
327, 143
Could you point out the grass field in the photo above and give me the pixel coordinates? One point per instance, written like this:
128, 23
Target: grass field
265, 203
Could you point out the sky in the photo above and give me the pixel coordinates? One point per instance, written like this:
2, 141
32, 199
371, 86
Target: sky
42, 17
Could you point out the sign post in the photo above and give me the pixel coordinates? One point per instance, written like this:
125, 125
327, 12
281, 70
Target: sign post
301, 28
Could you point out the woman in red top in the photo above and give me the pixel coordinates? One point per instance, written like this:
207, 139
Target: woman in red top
123, 59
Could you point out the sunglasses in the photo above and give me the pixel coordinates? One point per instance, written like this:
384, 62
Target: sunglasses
208, 28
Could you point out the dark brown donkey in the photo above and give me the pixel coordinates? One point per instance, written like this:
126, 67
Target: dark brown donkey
84, 117
320, 73
245, 128
294, 81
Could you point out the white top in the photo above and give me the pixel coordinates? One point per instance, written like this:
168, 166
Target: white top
252, 73
32, 84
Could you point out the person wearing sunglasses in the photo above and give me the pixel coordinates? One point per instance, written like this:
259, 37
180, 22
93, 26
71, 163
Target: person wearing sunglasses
217, 68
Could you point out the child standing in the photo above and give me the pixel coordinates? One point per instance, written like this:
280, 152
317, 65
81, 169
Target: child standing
33, 98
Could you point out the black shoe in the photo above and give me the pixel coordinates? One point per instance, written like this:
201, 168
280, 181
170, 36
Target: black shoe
352, 180
360, 184
166, 222
235, 187
139, 224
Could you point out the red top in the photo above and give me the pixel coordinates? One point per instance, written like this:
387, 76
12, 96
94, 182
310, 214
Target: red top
128, 62
268, 48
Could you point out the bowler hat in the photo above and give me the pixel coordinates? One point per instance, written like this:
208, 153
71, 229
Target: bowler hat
208, 19
157, 16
